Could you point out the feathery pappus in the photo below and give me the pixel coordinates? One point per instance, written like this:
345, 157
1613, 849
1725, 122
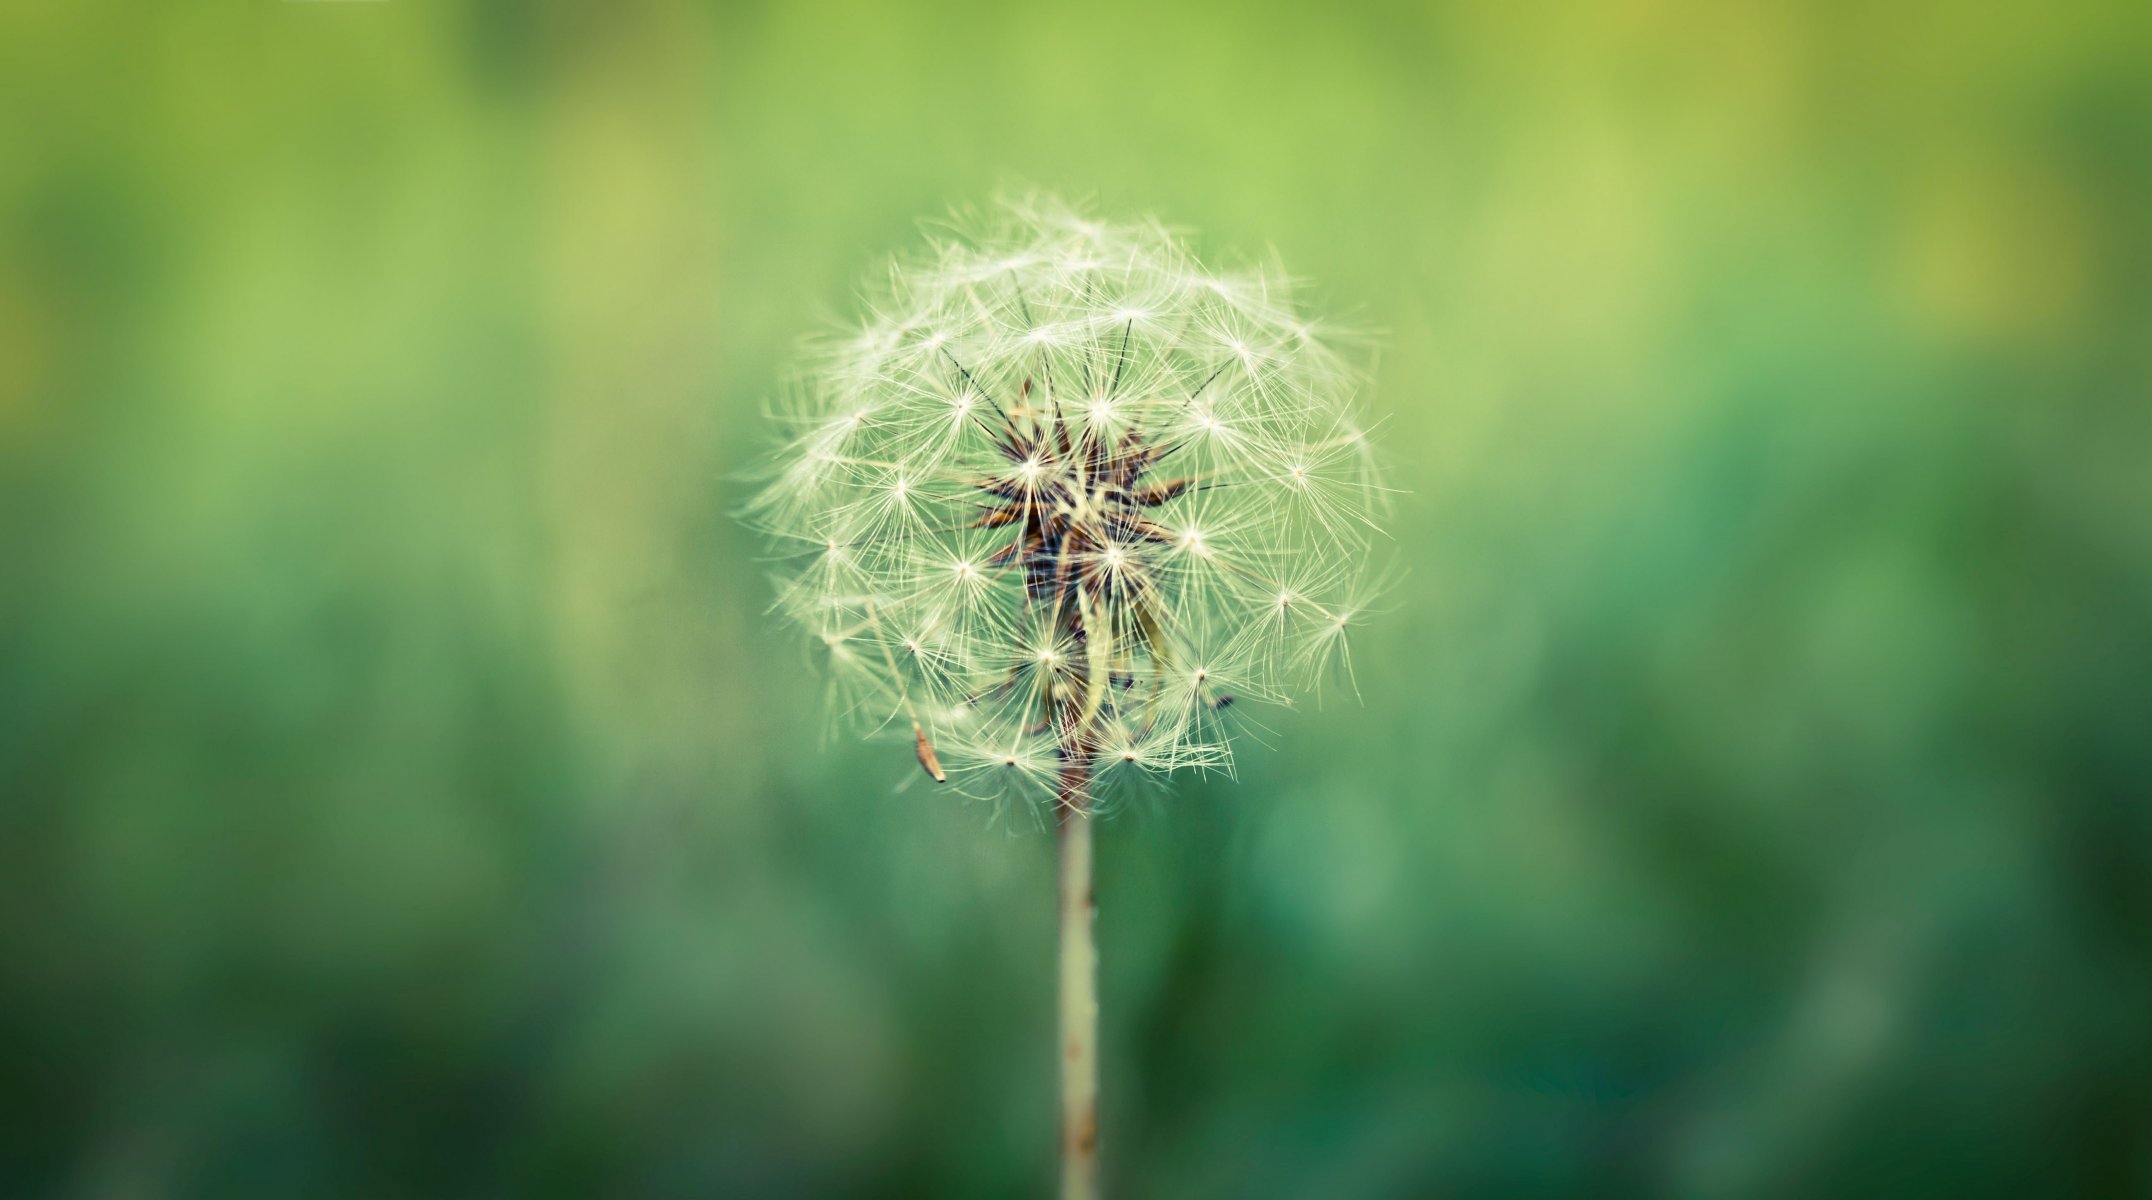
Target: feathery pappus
1065, 496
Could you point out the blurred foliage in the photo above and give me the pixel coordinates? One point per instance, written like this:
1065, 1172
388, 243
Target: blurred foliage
402, 791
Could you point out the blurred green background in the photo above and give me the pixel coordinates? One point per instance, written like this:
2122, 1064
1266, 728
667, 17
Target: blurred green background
403, 793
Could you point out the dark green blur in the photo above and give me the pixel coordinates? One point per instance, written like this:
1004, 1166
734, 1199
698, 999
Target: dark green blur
404, 794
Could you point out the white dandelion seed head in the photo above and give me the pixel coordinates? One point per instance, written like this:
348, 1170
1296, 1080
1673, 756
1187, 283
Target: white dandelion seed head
1067, 494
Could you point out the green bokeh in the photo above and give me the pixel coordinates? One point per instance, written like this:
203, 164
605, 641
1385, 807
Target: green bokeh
403, 792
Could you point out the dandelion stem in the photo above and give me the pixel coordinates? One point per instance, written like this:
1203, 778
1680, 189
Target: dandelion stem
1079, 982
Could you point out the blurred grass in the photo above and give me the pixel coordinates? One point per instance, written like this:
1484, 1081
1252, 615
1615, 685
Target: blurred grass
402, 792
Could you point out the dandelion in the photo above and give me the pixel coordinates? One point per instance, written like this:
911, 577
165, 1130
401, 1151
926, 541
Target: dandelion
1061, 500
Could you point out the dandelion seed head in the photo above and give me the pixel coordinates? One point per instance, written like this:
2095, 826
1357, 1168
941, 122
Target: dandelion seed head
1037, 500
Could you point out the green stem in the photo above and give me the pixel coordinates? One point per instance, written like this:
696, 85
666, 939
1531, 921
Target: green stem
1079, 987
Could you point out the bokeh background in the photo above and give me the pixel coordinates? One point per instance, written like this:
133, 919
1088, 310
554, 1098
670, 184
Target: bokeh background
403, 793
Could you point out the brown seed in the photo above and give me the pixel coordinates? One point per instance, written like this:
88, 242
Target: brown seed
927, 757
